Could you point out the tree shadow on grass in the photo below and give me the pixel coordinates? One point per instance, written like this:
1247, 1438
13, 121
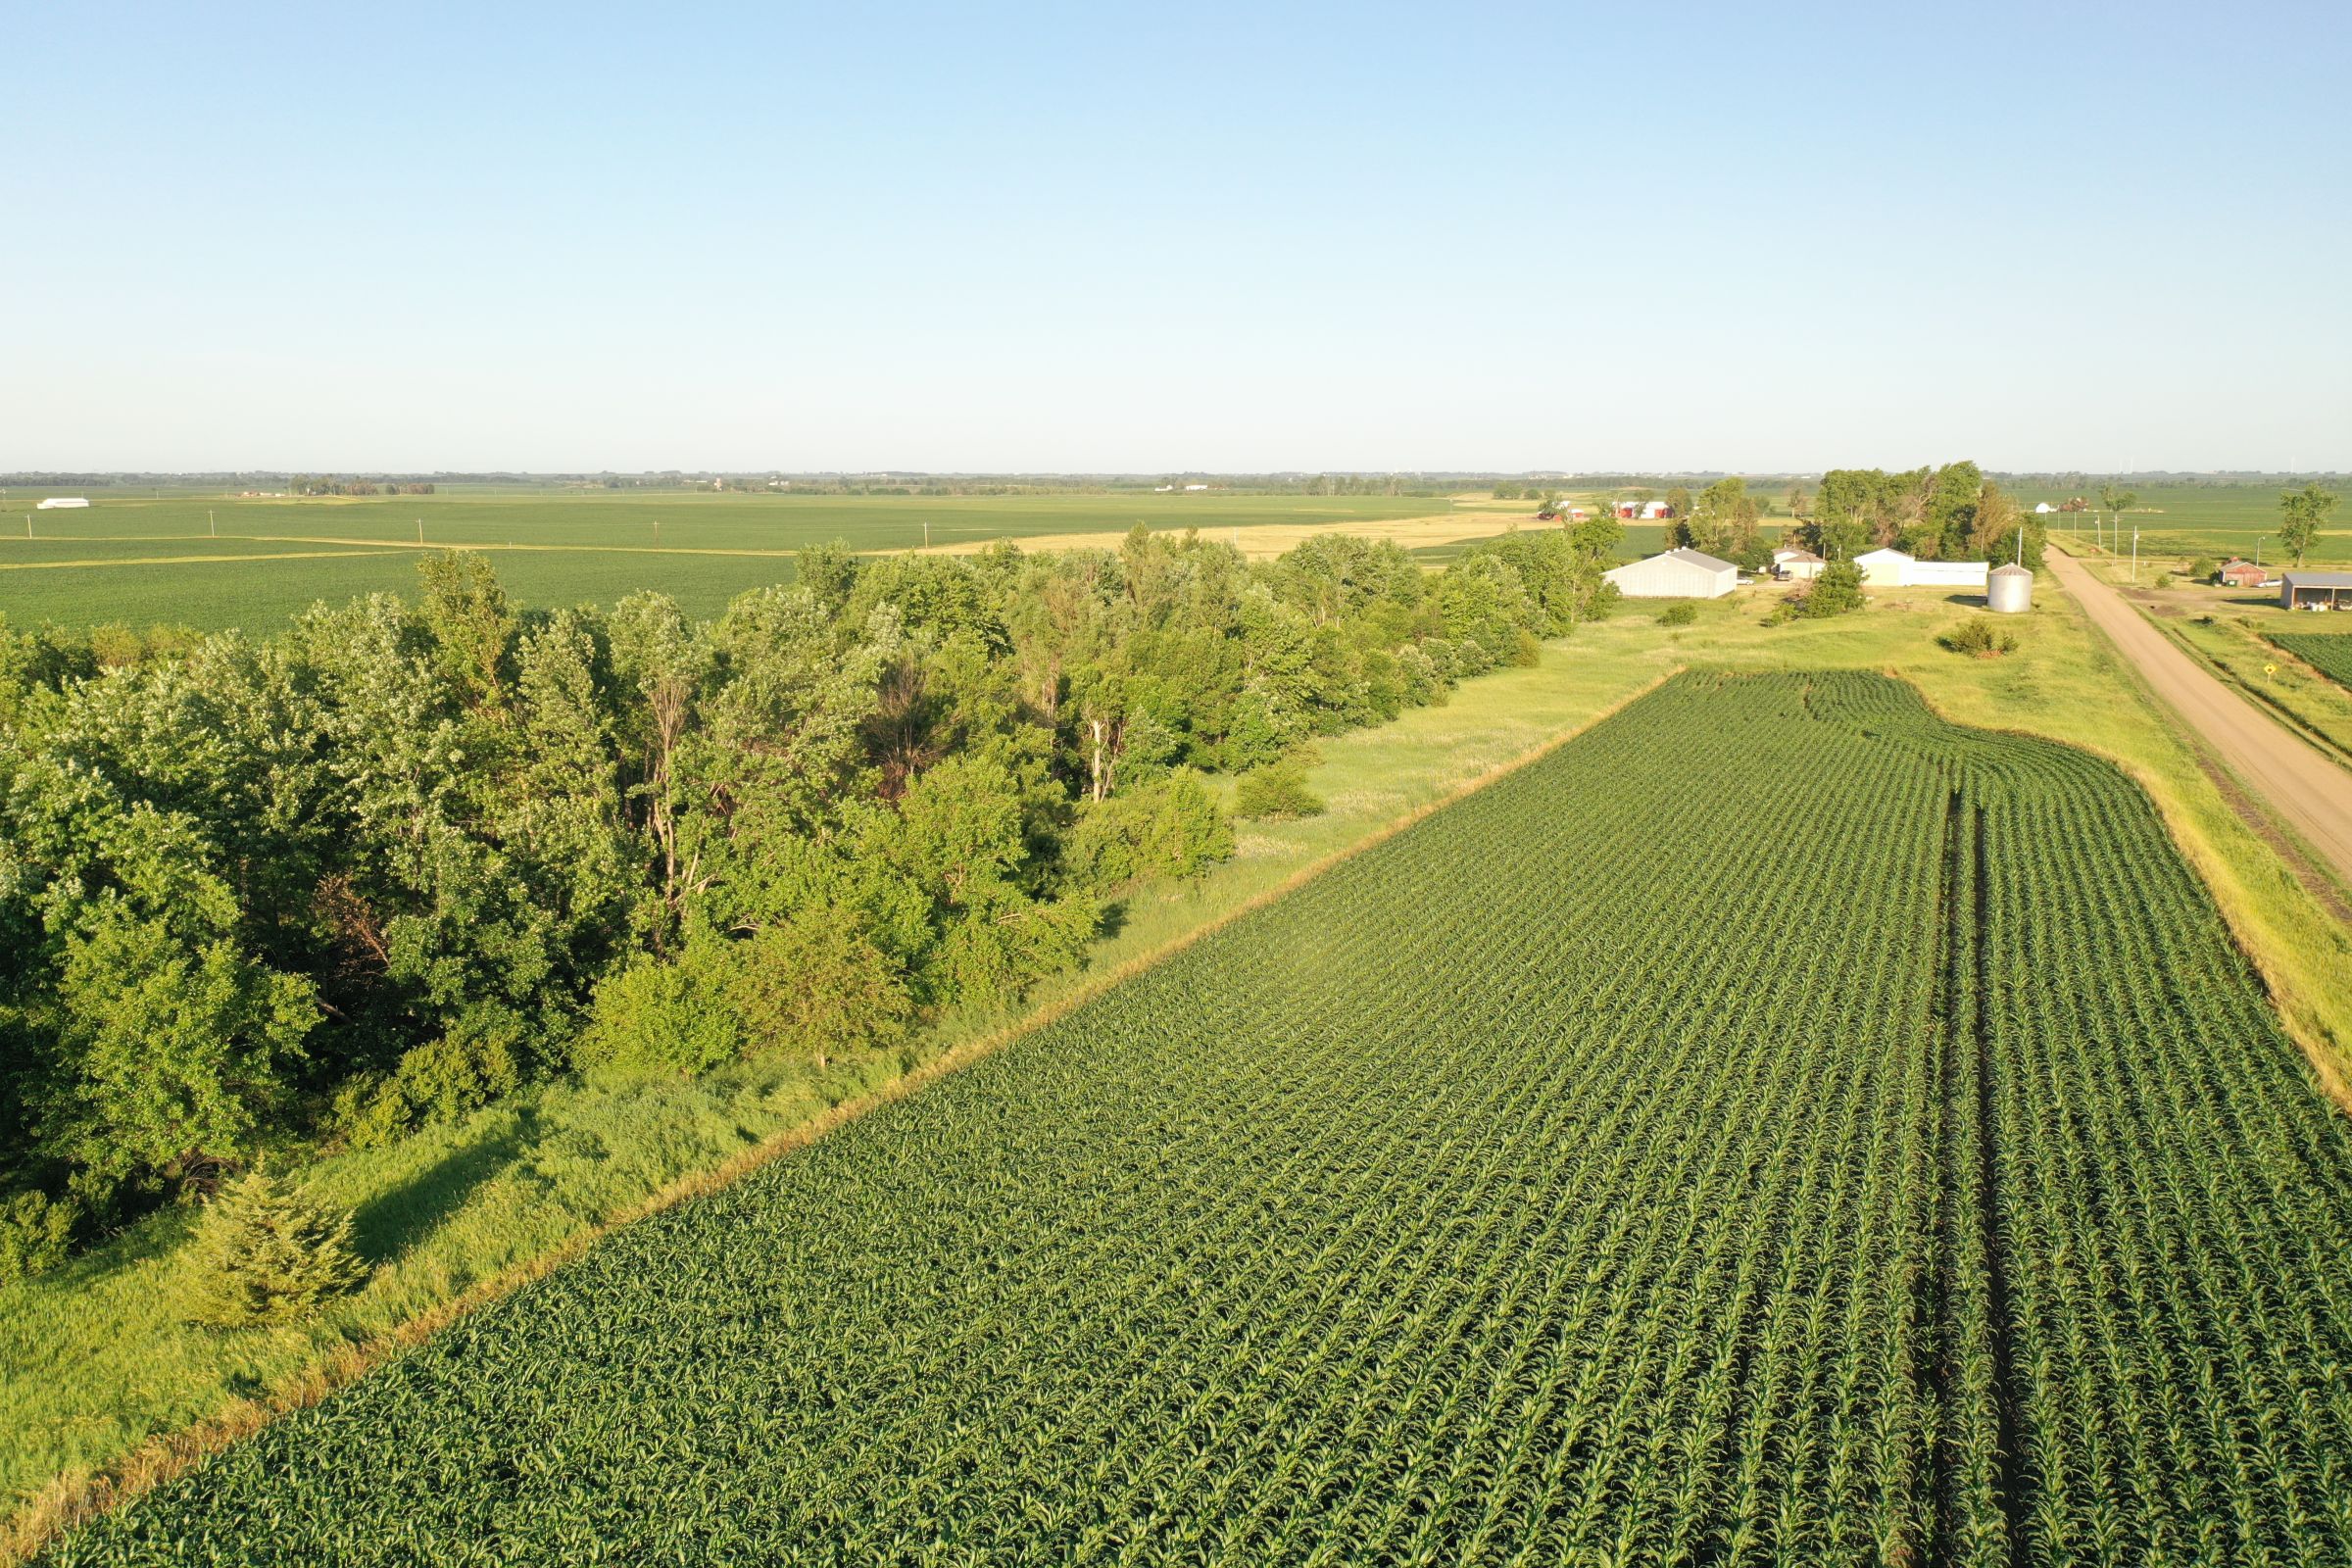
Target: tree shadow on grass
1114, 920
388, 1226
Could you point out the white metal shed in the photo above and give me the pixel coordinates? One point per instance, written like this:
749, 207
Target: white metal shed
1676, 575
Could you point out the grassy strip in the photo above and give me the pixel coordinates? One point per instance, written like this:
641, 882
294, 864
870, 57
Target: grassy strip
467, 1215
2298, 696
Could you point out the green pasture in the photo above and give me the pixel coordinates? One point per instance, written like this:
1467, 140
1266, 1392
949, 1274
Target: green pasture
215, 562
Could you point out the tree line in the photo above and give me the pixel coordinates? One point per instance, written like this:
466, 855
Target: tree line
410, 854
1952, 512
327, 484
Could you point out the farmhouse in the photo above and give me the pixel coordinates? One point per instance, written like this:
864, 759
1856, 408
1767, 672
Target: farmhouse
54, 502
1802, 566
1898, 569
1676, 575
2316, 590
2240, 574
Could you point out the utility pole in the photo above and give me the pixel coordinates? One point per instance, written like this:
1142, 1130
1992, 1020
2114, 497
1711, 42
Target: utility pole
927, 545
420, 531
210, 526
656, 533
2136, 552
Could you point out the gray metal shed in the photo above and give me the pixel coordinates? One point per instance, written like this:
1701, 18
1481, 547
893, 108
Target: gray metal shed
2300, 589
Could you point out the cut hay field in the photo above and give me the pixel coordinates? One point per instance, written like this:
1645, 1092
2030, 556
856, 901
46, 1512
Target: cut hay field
1932, 1185
214, 562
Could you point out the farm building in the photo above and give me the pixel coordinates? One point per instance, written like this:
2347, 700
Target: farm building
1643, 511
2010, 590
1884, 568
1800, 565
2042, 508
1897, 568
1676, 575
2316, 590
54, 502
2241, 574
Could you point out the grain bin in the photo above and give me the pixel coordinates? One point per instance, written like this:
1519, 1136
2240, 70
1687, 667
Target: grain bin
2010, 590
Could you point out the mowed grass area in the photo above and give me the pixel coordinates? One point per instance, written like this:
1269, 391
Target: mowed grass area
1499, 1197
215, 562
2178, 523
467, 1203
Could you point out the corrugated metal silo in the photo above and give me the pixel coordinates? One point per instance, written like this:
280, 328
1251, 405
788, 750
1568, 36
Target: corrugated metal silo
2010, 590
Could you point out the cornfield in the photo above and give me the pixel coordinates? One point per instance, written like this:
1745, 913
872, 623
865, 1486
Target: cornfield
1778, 1127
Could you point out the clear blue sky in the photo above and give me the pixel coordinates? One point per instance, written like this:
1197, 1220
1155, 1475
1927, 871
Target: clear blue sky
1092, 237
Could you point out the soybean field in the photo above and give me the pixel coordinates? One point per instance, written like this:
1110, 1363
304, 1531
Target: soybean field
1776, 1126
2329, 653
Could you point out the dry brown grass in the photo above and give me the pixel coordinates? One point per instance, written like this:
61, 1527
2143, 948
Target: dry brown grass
1266, 541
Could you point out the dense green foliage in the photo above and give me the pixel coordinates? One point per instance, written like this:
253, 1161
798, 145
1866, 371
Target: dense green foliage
1837, 590
1275, 793
2302, 514
2330, 653
1572, 1178
1949, 514
262, 1256
1979, 636
398, 861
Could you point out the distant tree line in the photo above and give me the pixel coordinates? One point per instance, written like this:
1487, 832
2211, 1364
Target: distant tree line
308, 484
407, 857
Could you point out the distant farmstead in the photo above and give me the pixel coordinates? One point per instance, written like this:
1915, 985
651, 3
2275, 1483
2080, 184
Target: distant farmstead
2316, 590
1676, 575
1643, 511
54, 503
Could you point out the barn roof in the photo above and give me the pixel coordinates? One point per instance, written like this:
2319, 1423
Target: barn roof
1699, 557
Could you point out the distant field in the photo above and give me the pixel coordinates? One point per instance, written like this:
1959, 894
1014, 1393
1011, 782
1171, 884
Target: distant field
1933, 1186
140, 559
2192, 520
